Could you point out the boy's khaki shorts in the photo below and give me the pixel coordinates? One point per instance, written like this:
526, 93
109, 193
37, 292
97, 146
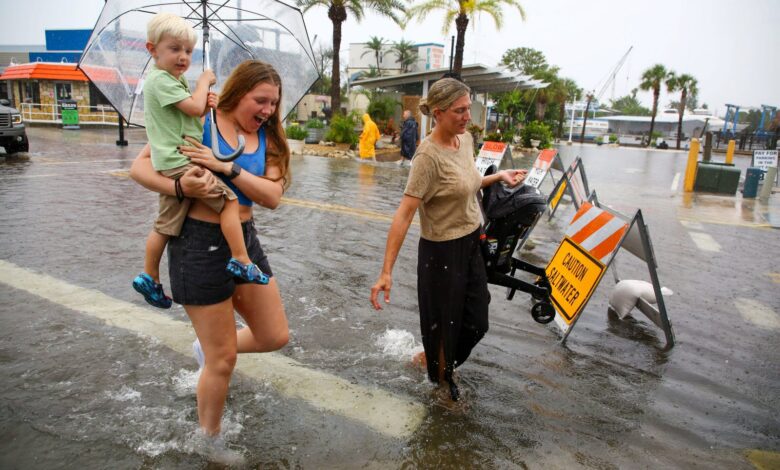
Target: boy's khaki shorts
172, 212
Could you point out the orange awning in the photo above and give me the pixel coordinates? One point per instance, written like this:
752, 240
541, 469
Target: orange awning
44, 71
65, 72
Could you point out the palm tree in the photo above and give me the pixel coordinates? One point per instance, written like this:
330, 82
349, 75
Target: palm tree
337, 13
406, 52
652, 79
460, 11
375, 45
589, 97
685, 84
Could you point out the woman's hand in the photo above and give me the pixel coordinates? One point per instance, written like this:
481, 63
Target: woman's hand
384, 283
203, 156
197, 183
512, 177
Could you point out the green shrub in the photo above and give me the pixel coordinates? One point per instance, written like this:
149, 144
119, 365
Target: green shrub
342, 129
536, 130
315, 124
613, 138
382, 108
493, 137
296, 132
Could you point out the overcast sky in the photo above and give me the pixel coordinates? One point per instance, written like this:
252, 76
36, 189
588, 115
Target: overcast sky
731, 47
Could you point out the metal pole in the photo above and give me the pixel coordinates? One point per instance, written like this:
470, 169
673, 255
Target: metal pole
452, 51
571, 124
121, 142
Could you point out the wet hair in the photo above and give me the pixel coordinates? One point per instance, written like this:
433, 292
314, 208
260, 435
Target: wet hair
442, 94
244, 79
168, 24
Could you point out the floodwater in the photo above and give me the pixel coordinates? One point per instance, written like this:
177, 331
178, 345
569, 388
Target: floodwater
78, 392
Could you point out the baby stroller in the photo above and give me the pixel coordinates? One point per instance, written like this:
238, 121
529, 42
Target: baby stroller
509, 215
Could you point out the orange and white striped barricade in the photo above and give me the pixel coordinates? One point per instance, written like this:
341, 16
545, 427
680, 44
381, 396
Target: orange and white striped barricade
491, 153
547, 160
589, 247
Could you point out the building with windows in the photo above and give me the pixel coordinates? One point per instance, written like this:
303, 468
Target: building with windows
37, 78
362, 59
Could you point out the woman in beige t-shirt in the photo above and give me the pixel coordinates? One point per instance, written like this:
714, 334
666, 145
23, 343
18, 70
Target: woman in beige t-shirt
451, 279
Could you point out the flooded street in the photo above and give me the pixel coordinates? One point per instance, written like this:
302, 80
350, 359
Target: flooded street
86, 390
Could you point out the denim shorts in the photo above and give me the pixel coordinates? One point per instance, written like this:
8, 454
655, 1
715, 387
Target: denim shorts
198, 258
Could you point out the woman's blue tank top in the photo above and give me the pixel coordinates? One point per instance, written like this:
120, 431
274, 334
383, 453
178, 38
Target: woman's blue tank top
251, 162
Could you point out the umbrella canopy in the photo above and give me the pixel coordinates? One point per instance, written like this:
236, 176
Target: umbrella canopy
116, 60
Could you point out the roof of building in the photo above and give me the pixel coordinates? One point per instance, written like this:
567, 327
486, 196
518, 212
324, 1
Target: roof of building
480, 78
44, 71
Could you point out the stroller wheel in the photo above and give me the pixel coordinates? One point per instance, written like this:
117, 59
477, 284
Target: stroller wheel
543, 312
541, 282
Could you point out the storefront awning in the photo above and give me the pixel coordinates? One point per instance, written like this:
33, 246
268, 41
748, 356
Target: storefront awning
44, 71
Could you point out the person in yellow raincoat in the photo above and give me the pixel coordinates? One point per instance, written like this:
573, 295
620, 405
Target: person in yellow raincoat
368, 138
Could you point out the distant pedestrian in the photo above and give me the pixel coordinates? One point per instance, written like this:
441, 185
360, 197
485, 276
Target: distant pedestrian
409, 134
368, 137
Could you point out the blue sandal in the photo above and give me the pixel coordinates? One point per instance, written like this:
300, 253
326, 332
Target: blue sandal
248, 272
153, 292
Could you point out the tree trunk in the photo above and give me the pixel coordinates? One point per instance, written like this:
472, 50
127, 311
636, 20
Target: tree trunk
656, 92
541, 109
683, 99
337, 16
461, 23
560, 119
585, 121
378, 72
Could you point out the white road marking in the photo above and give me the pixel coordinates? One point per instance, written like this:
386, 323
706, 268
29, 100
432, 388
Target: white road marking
378, 409
757, 313
705, 242
692, 224
50, 162
675, 182
63, 175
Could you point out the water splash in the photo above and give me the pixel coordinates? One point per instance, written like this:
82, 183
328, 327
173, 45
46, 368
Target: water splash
398, 344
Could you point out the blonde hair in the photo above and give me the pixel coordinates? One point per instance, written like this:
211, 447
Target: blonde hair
168, 24
241, 81
442, 94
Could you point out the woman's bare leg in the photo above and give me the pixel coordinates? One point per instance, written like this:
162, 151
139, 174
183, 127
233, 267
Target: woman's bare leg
216, 330
262, 309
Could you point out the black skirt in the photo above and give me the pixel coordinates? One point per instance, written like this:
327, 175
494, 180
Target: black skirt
453, 298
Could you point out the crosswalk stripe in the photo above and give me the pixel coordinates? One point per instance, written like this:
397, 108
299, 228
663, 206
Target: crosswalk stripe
375, 408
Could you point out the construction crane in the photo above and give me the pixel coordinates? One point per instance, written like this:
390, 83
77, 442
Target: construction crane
607, 81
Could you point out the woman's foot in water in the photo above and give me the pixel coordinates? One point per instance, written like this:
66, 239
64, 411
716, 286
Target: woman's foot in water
248, 272
419, 360
198, 352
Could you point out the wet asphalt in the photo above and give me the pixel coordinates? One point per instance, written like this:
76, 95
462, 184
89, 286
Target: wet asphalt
78, 393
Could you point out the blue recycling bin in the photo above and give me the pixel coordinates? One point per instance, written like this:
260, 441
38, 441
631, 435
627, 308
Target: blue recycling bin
752, 178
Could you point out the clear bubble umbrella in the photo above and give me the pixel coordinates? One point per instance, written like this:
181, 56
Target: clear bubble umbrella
116, 60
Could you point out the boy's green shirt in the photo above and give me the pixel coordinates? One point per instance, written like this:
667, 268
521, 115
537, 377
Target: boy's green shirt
165, 123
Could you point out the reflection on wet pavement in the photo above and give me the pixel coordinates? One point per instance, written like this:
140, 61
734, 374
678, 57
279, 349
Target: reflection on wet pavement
79, 391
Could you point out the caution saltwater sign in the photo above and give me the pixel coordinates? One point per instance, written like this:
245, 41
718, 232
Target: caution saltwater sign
573, 274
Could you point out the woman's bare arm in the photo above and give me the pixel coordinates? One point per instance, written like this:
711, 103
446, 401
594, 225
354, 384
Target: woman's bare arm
395, 238
195, 183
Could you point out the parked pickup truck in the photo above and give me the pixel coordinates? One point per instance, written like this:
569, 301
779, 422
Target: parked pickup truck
12, 134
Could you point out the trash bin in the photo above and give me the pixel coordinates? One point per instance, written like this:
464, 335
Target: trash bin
714, 177
752, 177
70, 114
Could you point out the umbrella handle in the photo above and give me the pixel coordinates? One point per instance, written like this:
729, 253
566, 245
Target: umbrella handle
215, 143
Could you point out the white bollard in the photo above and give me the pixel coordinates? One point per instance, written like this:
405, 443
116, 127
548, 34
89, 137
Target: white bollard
769, 181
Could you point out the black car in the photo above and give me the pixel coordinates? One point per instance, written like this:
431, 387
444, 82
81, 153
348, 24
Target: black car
12, 133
